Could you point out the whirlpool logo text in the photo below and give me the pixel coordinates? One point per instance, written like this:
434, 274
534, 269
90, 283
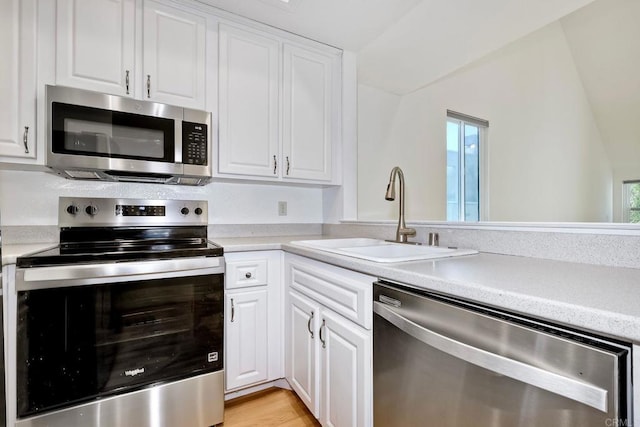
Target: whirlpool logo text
134, 372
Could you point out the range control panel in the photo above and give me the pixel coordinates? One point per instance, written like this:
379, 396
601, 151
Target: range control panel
140, 210
91, 212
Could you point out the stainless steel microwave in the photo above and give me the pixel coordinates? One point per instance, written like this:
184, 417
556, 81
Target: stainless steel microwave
92, 135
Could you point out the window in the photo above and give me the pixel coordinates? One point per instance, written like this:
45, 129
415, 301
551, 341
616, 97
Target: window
631, 201
466, 148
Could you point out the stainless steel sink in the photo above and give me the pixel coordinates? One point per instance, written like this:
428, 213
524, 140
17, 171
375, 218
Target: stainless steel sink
381, 250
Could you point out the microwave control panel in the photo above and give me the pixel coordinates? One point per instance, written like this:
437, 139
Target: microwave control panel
194, 143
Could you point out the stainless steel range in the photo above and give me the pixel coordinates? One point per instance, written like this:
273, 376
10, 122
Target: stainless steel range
122, 324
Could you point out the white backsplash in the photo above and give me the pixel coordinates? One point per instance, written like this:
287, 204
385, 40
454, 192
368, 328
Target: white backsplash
588, 246
31, 198
29, 203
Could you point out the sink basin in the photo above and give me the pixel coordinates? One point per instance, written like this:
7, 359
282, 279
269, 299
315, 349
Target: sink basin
382, 251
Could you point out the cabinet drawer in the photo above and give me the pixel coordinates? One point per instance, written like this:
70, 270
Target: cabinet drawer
344, 291
245, 273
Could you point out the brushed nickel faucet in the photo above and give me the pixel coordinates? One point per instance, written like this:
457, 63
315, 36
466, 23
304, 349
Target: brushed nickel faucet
402, 232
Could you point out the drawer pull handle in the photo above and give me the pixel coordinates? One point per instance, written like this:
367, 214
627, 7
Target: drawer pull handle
127, 81
233, 311
309, 325
148, 85
248, 275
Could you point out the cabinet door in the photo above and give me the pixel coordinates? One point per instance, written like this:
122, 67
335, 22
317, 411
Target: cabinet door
18, 81
248, 73
309, 118
247, 355
346, 373
95, 45
173, 56
301, 347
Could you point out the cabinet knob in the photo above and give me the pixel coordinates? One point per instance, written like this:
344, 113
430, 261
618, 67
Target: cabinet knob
248, 275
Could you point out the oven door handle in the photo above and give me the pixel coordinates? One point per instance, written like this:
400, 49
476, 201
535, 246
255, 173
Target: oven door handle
89, 274
579, 391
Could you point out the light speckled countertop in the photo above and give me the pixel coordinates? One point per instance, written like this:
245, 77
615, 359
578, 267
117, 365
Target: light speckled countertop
11, 252
600, 299
604, 300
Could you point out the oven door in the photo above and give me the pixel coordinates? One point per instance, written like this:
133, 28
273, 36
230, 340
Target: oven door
91, 331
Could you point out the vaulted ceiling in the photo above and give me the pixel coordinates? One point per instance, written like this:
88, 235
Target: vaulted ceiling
347, 24
404, 45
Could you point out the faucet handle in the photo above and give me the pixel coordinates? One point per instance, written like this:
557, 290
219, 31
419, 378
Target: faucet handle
407, 231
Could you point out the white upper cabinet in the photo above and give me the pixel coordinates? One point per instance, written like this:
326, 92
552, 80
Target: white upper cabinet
96, 49
309, 105
248, 102
18, 79
174, 51
96, 45
279, 107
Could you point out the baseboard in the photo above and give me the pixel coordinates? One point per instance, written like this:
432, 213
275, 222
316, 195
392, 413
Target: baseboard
279, 383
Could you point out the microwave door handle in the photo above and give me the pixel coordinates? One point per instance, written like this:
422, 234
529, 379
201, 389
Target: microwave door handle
584, 393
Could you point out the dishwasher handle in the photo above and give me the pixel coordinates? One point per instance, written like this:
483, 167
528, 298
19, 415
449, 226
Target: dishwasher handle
570, 388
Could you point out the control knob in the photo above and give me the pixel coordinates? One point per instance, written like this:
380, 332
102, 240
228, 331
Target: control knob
184, 211
198, 211
72, 209
91, 210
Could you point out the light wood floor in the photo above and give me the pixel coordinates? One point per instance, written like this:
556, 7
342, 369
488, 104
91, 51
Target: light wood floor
272, 407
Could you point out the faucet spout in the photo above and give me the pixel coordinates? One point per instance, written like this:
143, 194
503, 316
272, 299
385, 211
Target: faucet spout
402, 231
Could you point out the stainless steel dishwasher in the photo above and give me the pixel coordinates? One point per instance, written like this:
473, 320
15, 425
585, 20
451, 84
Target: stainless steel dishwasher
438, 361
3, 413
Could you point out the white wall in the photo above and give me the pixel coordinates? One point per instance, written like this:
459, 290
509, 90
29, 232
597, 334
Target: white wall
546, 161
31, 198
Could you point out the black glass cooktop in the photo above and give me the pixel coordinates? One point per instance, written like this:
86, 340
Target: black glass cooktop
121, 244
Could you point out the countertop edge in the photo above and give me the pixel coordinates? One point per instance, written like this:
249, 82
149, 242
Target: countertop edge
573, 314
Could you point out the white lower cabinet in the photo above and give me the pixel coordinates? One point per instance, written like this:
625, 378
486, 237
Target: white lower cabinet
328, 341
301, 360
346, 367
253, 319
246, 338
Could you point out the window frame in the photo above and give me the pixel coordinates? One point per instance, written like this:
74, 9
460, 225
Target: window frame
483, 164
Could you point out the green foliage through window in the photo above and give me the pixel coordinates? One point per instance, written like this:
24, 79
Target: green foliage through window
632, 192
